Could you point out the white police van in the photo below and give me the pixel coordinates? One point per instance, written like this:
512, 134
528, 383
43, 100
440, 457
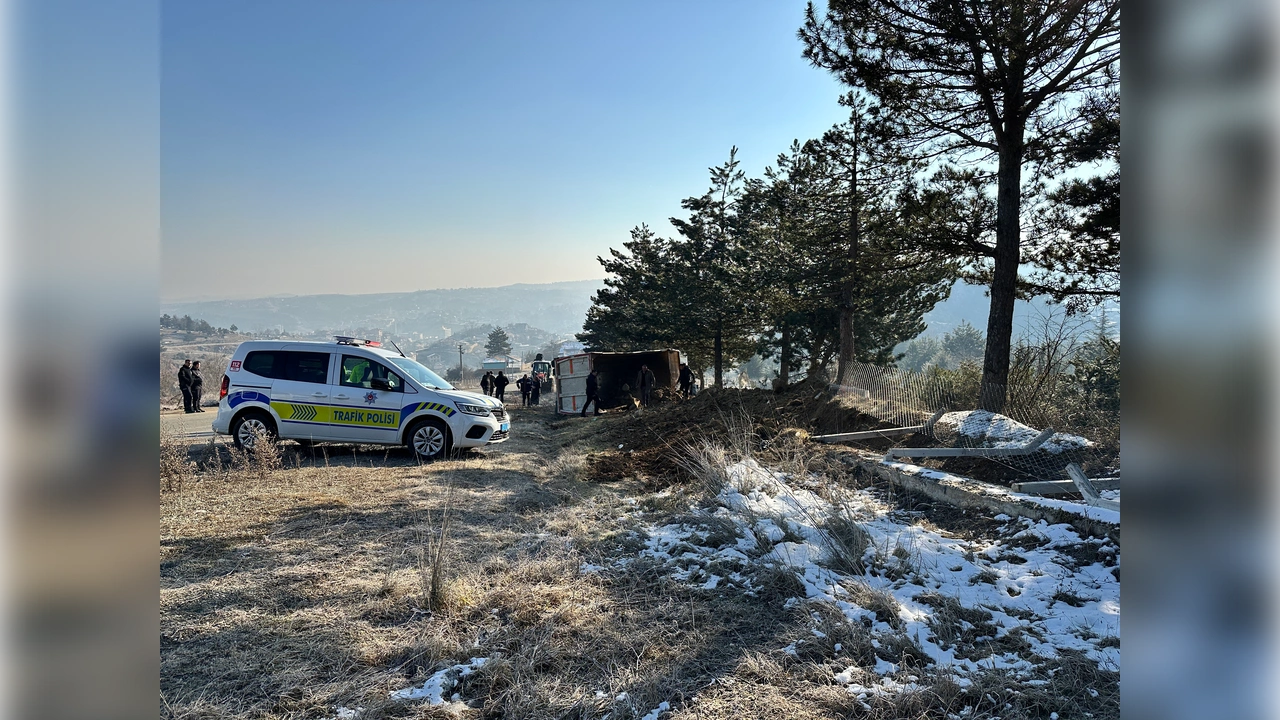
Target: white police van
350, 391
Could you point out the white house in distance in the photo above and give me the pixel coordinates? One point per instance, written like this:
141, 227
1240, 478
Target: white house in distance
505, 363
571, 347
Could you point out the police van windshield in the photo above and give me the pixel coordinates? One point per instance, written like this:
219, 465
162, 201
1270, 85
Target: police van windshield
421, 373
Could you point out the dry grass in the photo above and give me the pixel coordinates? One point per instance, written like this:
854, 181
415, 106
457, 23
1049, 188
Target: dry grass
331, 580
335, 575
176, 465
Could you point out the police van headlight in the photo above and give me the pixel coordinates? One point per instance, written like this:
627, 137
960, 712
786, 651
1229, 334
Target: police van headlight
472, 409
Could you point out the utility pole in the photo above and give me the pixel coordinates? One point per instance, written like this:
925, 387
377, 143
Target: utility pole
461, 378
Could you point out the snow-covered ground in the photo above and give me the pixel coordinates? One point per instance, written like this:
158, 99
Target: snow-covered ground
1006, 602
1009, 598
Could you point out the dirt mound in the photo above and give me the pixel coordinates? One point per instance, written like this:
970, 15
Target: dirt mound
650, 437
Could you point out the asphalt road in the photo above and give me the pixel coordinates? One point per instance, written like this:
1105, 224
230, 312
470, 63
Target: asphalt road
195, 425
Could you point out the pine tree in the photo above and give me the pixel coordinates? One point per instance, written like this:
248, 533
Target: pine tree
873, 281
1078, 248
715, 308
498, 344
976, 80
633, 311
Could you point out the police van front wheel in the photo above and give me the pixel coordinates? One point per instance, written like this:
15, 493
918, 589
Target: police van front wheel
429, 439
250, 427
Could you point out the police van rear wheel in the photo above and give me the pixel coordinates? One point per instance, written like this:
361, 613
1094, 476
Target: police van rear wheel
429, 440
247, 428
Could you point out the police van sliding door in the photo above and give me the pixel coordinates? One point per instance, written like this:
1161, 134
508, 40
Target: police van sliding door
300, 394
367, 400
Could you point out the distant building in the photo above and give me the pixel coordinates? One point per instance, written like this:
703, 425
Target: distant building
571, 347
505, 363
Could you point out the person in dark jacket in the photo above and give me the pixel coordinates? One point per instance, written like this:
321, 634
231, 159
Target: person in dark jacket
523, 385
486, 383
592, 394
686, 380
197, 385
500, 384
646, 381
184, 384
535, 390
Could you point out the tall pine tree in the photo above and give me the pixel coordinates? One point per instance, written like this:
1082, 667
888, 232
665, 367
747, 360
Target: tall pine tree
714, 301
976, 79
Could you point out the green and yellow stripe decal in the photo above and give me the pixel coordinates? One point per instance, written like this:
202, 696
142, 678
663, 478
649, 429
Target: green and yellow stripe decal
325, 414
441, 408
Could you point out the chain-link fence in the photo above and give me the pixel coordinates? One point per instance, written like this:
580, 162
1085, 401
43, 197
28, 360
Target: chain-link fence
1050, 420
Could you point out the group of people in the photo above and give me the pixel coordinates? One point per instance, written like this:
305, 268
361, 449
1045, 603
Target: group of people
530, 389
496, 387
645, 382
191, 385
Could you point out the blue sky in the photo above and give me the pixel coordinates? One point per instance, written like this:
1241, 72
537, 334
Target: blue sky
319, 146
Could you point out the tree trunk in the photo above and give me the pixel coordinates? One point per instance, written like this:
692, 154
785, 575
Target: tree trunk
784, 372
1004, 280
719, 355
849, 288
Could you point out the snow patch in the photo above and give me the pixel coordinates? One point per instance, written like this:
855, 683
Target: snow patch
998, 431
1051, 600
654, 713
433, 689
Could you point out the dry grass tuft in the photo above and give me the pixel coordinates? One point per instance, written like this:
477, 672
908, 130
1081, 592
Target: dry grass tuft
431, 557
954, 624
882, 603
262, 461
846, 543
705, 462
176, 467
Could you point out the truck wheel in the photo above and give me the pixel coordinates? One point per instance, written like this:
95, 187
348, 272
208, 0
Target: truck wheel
428, 439
247, 426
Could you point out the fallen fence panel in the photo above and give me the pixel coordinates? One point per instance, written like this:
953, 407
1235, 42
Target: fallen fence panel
1087, 489
927, 427
1063, 487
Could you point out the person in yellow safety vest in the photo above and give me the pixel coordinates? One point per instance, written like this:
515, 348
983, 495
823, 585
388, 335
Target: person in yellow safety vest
356, 373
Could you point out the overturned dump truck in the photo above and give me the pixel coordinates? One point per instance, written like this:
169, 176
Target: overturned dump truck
616, 376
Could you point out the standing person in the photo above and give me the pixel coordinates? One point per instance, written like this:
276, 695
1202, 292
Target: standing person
500, 386
486, 383
184, 384
535, 390
593, 395
523, 385
646, 383
686, 380
197, 384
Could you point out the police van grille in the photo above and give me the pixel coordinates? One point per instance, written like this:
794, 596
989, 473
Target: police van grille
500, 414
498, 435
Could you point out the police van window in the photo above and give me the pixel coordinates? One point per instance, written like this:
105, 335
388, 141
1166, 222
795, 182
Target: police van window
308, 367
260, 363
394, 384
360, 372
356, 371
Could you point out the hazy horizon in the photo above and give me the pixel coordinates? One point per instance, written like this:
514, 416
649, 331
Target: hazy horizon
228, 298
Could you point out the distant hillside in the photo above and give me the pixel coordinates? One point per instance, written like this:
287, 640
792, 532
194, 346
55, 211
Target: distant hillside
558, 308
969, 303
